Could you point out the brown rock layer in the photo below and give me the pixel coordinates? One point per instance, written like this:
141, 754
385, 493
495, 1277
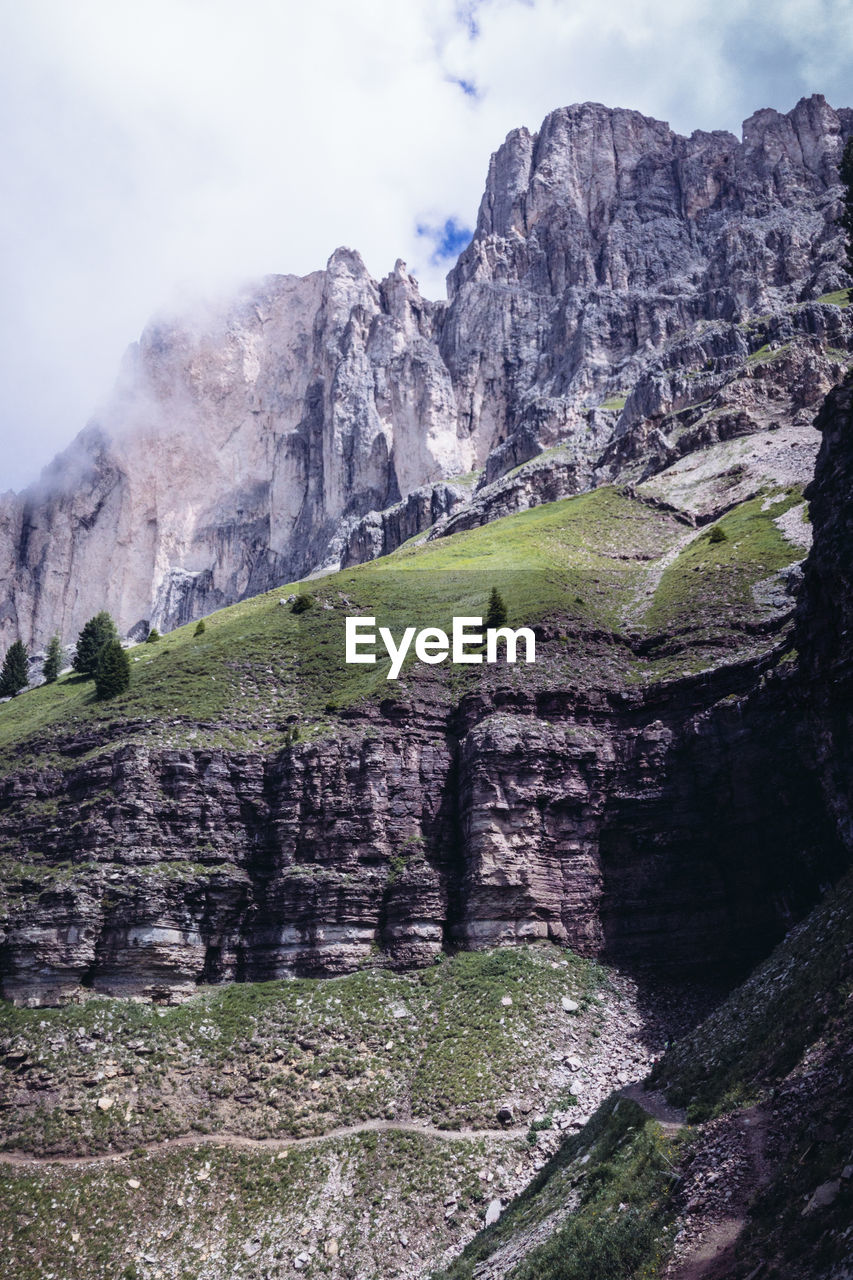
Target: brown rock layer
615, 822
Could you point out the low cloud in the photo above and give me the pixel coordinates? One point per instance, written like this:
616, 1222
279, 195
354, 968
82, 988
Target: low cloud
159, 152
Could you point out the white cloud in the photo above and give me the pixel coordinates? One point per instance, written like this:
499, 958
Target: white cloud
173, 148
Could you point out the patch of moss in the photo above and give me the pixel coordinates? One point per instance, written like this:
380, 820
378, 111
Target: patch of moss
839, 298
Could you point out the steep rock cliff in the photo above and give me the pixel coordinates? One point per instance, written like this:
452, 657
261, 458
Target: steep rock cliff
825, 613
236, 447
243, 447
612, 820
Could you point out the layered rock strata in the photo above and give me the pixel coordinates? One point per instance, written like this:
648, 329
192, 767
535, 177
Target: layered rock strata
243, 446
613, 821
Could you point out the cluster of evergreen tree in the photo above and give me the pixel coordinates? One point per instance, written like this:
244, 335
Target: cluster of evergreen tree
15, 673
99, 653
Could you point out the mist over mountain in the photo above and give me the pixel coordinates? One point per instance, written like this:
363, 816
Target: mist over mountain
248, 445
540, 971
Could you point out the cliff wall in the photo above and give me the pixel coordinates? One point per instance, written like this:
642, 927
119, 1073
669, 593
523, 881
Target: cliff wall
261, 440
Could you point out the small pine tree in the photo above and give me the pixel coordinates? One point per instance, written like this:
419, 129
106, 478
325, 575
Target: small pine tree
199, 628
496, 615
53, 660
97, 632
845, 173
301, 603
153, 636
718, 534
15, 674
113, 672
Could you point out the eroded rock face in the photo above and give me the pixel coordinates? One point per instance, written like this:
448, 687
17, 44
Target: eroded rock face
613, 821
604, 235
825, 613
313, 422
236, 452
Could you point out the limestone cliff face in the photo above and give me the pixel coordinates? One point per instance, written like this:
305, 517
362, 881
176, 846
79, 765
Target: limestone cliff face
291, 427
235, 450
603, 236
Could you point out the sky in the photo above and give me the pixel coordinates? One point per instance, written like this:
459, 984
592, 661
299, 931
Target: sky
155, 154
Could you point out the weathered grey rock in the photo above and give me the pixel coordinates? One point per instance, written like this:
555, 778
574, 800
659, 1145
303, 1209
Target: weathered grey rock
235, 448
602, 236
825, 1195
493, 1212
310, 422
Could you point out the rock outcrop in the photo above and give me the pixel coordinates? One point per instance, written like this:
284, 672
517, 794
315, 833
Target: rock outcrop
236, 452
825, 613
270, 437
613, 821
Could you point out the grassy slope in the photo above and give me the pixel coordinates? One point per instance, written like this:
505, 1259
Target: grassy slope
296, 1058
616, 1176
709, 576
258, 664
258, 669
783, 1039
207, 1213
310, 1055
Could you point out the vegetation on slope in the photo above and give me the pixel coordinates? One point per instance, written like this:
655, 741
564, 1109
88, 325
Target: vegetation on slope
775, 1055
260, 675
602, 1204
351, 1207
298, 1057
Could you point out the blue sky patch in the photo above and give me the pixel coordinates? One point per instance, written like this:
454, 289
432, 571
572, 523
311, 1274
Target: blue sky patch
467, 86
448, 239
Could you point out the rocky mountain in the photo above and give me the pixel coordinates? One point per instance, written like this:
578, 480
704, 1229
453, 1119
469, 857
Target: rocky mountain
528, 883
619, 279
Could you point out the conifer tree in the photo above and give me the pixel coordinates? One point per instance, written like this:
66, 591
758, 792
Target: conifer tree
496, 615
113, 671
97, 632
153, 636
15, 674
199, 628
53, 660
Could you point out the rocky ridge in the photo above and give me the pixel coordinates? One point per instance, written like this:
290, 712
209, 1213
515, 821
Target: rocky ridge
312, 422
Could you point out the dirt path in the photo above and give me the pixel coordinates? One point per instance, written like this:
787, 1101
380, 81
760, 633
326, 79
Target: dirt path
712, 1257
24, 1158
634, 612
654, 1103
670, 1118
